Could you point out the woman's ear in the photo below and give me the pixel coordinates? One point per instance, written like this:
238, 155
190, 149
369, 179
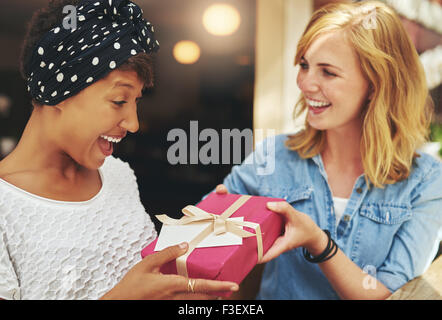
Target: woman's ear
59, 106
35, 105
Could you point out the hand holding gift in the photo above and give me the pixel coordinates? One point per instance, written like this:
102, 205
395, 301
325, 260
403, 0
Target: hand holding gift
300, 230
218, 215
144, 281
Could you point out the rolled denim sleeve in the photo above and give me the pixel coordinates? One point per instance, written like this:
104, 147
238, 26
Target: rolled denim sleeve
414, 244
242, 180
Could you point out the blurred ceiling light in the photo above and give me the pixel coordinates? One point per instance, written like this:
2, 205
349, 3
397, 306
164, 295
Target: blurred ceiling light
186, 52
5, 104
7, 144
221, 19
243, 60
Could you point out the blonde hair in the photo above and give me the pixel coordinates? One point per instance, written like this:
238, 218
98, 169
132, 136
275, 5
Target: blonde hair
397, 118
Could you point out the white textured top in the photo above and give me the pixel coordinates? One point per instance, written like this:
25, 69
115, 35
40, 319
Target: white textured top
339, 205
72, 250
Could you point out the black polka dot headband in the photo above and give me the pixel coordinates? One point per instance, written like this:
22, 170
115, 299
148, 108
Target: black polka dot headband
65, 61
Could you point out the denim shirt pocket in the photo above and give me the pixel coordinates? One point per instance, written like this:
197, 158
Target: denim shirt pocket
297, 196
386, 213
377, 226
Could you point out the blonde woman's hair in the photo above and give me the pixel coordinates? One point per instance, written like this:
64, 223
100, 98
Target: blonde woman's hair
397, 118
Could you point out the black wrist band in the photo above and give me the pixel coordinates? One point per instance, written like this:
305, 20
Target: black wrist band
324, 253
328, 253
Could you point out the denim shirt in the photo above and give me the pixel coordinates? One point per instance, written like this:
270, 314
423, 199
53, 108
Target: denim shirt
390, 233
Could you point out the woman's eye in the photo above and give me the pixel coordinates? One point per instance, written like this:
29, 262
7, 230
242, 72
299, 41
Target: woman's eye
303, 65
328, 73
122, 102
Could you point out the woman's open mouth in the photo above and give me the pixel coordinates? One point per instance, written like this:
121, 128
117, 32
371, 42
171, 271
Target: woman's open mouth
106, 144
317, 107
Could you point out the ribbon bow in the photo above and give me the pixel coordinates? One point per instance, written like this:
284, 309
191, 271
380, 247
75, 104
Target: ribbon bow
220, 224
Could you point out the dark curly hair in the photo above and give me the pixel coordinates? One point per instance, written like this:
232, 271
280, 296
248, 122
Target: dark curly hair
48, 17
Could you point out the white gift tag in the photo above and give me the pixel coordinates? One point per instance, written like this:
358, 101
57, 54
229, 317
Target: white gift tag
172, 235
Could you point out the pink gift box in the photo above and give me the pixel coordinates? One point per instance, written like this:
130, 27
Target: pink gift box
230, 263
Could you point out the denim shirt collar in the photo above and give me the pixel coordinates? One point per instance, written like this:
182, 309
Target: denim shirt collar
317, 159
357, 196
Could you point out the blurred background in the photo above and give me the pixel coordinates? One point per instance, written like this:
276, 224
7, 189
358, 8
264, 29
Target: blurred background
226, 64
204, 71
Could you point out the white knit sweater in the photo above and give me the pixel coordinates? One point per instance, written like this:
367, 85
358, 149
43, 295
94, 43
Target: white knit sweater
72, 250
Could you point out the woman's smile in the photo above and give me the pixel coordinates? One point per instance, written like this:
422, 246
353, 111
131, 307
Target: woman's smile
106, 143
317, 106
317, 103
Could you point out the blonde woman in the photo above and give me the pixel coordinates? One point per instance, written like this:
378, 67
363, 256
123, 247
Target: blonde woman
363, 206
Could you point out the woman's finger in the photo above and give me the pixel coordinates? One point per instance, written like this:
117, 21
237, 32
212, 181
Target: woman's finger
208, 286
278, 247
154, 262
281, 207
221, 189
202, 286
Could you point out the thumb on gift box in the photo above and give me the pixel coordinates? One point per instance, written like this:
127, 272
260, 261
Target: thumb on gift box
221, 189
281, 207
155, 261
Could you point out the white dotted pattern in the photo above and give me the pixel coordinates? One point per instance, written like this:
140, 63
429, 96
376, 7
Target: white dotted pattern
66, 250
77, 48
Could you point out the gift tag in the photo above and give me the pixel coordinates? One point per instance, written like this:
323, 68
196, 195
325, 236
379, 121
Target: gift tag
172, 235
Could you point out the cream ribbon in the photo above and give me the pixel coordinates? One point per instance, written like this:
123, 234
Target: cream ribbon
220, 224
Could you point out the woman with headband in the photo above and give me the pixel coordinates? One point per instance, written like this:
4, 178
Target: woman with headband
363, 204
71, 222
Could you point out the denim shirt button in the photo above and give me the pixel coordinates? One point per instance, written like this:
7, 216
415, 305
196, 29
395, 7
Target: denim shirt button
346, 218
359, 190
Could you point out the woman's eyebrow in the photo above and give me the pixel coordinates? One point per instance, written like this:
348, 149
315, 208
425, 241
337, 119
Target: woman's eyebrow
323, 64
128, 85
123, 84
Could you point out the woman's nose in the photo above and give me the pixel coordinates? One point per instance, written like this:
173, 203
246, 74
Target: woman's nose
130, 121
307, 82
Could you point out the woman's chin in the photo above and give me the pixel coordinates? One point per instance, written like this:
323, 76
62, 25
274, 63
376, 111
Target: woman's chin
317, 125
93, 160
98, 161
93, 163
